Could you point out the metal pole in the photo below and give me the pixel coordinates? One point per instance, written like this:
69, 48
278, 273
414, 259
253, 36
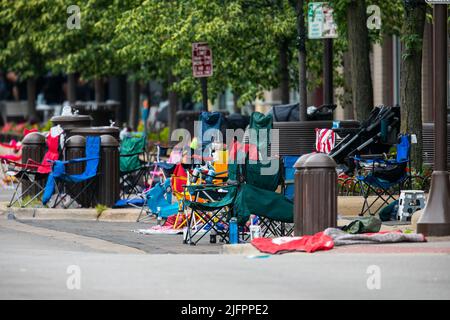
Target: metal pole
204, 84
436, 216
328, 95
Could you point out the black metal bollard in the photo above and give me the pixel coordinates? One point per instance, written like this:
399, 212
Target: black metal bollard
33, 148
108, 190
315, 202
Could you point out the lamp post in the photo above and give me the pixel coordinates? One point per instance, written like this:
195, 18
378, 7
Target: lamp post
435, 220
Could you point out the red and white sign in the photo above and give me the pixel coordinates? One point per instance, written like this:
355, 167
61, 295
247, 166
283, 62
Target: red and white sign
202, 64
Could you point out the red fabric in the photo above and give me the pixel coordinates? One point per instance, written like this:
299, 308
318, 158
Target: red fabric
178, 179
51, 154
28, 131
11, 145
250, 149
317, 242
10, 157
170, 222
325, 140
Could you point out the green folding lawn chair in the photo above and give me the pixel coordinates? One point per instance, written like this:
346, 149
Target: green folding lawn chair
258, 185
133, 166
209, 211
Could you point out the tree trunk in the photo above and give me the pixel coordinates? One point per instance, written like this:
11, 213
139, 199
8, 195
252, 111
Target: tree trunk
71, 88
359, 48
284, 70
99, 90
411, 77
236, 108
301, 30
134, 104
173, 105
349, 113
31, 97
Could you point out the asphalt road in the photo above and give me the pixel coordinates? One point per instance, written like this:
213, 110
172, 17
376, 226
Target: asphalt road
122, 233
40, 264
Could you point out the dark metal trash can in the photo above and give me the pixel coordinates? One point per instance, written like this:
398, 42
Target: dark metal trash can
315, 202
75, 148
108, 191
68, 123
33, 147
96, 131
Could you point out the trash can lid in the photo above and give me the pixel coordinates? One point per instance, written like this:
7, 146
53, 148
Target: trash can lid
108, 141
76, 141
73, 118
319, 160
301, 161
96, 130
34, 138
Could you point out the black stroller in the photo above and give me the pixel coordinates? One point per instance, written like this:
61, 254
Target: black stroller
375, 136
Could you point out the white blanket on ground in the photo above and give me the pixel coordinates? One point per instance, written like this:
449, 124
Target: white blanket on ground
342, 238
159, 230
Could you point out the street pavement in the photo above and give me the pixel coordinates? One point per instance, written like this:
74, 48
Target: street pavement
122, 233
38, 263
39, 258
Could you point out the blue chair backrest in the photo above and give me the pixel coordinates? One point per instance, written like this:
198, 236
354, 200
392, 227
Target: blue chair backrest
289, 174
92, 151
210, 120
403, 149
156, 195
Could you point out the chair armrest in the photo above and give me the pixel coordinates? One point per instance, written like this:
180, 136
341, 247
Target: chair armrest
131, 154
77, 160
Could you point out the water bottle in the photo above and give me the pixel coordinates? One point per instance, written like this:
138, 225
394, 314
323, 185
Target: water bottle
255, 231
195, 175
233, 232
213, 236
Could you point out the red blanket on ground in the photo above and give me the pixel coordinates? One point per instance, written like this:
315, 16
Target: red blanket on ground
317, 242
329, 238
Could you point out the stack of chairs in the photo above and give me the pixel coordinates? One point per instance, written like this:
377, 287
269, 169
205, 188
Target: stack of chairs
250, 190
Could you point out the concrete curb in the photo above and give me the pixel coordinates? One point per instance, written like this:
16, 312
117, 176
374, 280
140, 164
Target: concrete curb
245, 249
109, 215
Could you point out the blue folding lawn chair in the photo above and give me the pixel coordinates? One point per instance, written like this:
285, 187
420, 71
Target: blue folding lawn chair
158, 201
383, 178
74, 185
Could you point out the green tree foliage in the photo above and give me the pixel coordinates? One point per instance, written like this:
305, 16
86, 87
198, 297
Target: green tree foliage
243, 36
19, 48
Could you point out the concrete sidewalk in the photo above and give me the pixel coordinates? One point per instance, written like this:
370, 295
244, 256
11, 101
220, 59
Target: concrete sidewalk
347, 206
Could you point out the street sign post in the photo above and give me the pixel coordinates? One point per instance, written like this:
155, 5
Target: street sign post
202, 67
321, 25
202, 64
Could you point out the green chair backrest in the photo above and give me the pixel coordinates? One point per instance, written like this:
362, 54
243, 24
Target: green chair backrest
130, 150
